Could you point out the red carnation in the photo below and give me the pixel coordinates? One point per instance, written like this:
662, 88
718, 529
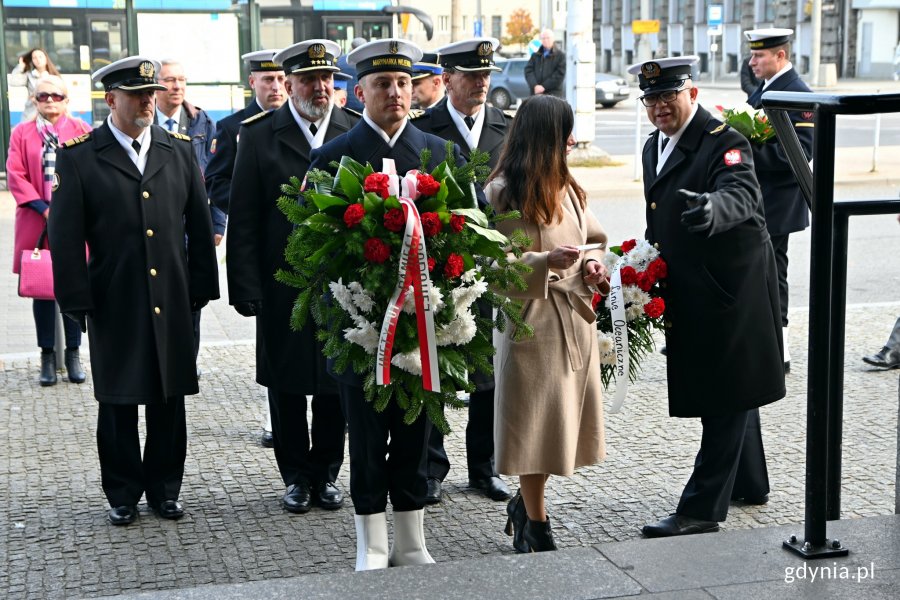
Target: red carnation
431, 264
658, 268
378, 183
394, 220
596, 300
454, 267
354, 214
427, 185
645, 281
376, 251
628, 245
431, 224
457, 222
655, 308
629, 275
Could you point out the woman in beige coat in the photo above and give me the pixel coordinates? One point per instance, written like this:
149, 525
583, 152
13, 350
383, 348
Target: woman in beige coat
548, 402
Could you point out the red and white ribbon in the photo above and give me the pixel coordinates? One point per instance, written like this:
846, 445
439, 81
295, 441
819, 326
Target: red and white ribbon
413, 271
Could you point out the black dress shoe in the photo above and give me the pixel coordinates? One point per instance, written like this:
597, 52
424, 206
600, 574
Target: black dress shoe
679, 525
885, 359
753, 500
48, 368
433, 492
266, 440
122, 515
539, 536
516, 519
169, 509
493, 488
73, 366
297, 498
328, 496
663, 351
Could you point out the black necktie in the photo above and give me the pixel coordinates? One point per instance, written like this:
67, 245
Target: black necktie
313, 129
136, 146
665, 141
469, 122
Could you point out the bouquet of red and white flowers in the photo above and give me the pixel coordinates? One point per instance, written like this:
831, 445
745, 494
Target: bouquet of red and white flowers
390, 268
627, 318
750, 122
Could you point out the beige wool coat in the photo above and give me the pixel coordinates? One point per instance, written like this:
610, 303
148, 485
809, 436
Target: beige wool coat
548, 399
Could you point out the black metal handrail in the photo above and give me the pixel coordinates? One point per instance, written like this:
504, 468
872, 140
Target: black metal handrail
828, 289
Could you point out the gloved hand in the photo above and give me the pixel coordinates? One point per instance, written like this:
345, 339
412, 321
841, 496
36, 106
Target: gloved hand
698, 217
198, 304
80, 318
249, 308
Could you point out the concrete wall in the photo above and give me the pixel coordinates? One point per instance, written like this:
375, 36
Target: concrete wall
876, 38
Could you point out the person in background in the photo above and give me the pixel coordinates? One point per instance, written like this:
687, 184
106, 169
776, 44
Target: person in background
546, 69
353, 103
30, 172
428, 83
749, 82
340, 89
889, 356
549, 393
33, 66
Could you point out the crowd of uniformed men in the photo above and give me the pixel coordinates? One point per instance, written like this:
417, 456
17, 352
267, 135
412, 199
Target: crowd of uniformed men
149, 192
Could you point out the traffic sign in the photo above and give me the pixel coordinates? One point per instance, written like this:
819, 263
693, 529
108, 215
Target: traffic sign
477, 24
533, 46
639, 26
714, 15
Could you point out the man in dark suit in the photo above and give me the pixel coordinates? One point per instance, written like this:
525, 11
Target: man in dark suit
464, 117
705, 216
786, 209
274, 146
267, 82
546, 69
387, 456
133, 192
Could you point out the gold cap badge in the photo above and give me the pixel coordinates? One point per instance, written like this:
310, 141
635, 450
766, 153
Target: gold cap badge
650, 70
146, 70
316, 51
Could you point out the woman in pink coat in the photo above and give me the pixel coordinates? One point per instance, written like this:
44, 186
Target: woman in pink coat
30, 173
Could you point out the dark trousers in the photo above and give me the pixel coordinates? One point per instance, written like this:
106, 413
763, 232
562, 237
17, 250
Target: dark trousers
387, 456
124, 474
780, 245
195, 316
305, 457
731, 463
479, 441
45, 324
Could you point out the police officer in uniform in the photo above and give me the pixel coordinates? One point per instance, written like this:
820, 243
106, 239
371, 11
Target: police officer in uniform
132, 192
267, 82
786, 209
387, 456
464, 117
724, 361
274, 146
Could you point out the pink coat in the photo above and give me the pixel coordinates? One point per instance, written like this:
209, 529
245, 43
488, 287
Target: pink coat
25, 177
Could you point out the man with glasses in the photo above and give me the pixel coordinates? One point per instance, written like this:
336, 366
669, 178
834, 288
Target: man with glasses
723, 325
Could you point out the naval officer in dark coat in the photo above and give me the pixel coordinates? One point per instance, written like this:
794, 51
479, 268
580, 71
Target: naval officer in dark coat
133, 193
387, 456
274, 146
786, 209
464, 117
724, 361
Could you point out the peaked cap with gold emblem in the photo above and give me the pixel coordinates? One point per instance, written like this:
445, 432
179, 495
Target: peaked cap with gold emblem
663, 74
309, 55
476, 54
131, 74
262, 60
391, 54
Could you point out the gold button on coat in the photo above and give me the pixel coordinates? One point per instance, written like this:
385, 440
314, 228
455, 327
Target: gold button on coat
153, 272
146, 195
149, 233
156, 309
653, 206
656, 245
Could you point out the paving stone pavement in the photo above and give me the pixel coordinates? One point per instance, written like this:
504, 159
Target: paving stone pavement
57, 543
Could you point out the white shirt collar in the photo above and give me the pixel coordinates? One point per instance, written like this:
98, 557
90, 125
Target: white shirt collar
138, 158
303, 123
673, 140
472, 135
390, 140
161, 119
784, 70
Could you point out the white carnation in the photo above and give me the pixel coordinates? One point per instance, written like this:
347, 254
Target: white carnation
465, 296
361, 297
437, 300
633, 311
364, 335
607, 349
411, 362
635, 296
459, 331
343, 297
470, 275
609, 261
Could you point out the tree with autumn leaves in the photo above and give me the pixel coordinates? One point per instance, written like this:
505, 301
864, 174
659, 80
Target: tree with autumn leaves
520, 28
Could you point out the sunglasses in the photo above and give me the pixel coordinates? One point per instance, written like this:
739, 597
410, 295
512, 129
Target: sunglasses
46, 96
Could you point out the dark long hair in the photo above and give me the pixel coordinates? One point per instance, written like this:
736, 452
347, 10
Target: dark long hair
29, 65
533, 162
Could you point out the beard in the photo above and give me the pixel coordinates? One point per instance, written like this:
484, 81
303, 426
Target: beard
143, 122
308, 108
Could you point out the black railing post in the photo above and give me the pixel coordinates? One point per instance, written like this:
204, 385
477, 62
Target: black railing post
836, 366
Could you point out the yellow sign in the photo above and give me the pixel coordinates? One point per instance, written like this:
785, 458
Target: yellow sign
404, 22
645, 26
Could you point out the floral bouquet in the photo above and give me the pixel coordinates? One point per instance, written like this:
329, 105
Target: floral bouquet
751, 123
634, 304
390, 268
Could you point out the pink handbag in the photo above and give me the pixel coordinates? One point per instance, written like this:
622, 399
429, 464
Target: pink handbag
36, 272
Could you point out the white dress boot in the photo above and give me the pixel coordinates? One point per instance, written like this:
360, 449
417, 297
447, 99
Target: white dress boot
787, 351
371, 542
409, 539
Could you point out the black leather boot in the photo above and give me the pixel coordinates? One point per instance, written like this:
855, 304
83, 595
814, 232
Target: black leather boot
48, 368
515, 522
73, 366
538, 536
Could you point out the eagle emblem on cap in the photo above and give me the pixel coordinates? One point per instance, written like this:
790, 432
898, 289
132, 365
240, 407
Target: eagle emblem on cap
485, 49
650, 70
393, 47
316, 51
146, 70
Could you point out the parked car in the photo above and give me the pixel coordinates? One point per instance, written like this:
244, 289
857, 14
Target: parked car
509, 86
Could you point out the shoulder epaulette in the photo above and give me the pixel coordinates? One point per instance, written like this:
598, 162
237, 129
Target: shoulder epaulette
718, 129
257, 117
416, 113
510, 114
804, 124
77, 140
356, 114
178, 136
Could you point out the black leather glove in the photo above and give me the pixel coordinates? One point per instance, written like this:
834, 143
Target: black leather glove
198, 304
698, 217
249, 308
78, 317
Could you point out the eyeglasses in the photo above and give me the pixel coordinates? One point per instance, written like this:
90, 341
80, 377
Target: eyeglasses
46, 96
665, 97
171, 80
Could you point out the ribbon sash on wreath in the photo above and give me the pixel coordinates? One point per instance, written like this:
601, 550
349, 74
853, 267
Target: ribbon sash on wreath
620, 337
